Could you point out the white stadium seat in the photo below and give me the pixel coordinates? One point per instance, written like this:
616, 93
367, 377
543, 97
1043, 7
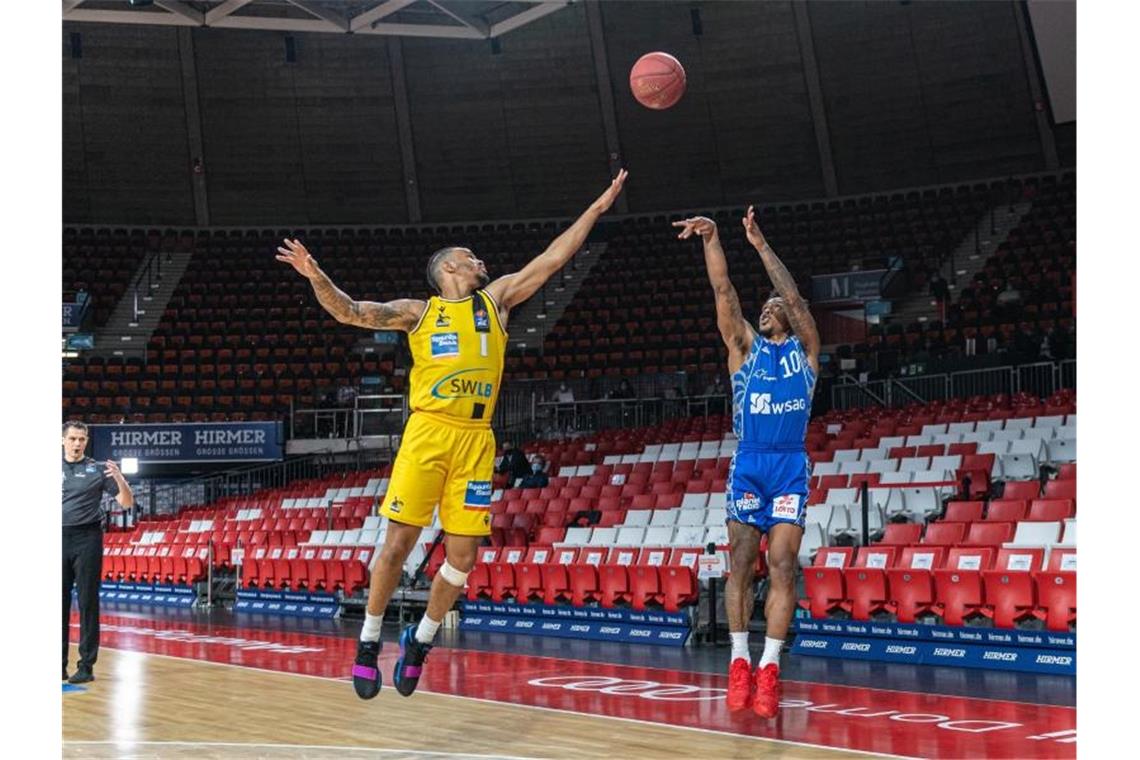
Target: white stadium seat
603, 537
1035, 534
664, 517
638, 518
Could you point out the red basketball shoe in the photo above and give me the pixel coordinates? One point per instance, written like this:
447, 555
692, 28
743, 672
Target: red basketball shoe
767, 699
739, 684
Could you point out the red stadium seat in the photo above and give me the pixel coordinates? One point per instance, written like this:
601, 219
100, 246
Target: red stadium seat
679, 586
866, 581
1061, 489
1051, 510
1009, 586
613, 584
944, 534
964, 511
1025, 490
988, 534
1062, 560
912, 582
1007, 510
479, 582
528, 582
901, 534
584, 585
824, 583
1057, 595
502, 580
644, 586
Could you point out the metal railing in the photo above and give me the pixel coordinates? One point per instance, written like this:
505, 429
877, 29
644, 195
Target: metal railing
165, 498
1042, 379
369, 416
148, 278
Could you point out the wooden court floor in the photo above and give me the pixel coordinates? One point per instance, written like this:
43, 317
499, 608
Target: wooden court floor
152, 706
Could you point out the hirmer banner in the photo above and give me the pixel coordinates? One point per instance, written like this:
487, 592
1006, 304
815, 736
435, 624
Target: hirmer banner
174, 443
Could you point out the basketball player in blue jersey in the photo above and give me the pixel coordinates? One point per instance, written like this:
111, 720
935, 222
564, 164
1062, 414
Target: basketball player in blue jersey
773, 371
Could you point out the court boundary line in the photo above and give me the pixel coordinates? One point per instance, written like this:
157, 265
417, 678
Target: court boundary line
264, 745
706, 673
347, 679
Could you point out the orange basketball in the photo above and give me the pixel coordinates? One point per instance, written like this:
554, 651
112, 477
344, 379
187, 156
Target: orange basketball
657, 80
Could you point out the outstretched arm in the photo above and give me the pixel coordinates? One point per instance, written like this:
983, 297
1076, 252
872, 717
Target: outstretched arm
796, 308
512, 289
401, 314
734, 328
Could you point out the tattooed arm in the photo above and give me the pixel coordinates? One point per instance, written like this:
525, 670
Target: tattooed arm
401, 314
796, 308
734, 328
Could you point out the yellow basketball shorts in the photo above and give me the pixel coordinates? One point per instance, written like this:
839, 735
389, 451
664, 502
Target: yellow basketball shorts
444, 464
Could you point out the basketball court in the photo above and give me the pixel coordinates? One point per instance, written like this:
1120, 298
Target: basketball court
182, 685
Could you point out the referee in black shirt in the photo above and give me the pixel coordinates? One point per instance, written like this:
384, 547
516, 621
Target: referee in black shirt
84, 483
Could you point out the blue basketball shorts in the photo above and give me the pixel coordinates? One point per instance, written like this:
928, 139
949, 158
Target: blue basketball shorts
767, 486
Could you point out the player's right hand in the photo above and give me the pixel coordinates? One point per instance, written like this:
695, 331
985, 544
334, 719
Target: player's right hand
700, 225
298, 256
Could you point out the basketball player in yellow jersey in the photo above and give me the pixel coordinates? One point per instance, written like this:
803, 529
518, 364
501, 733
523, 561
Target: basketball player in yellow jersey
458, 339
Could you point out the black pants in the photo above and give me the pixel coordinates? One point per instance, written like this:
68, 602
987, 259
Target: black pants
83, 567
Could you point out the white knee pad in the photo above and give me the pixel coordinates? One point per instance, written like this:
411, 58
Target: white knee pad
455, 577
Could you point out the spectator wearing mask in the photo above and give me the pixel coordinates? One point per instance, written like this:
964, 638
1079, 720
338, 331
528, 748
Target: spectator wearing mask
537, 477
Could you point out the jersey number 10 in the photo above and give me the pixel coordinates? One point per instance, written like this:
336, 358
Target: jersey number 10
792, 367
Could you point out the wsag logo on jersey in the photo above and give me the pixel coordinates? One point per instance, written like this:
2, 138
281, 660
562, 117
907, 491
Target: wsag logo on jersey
761, 403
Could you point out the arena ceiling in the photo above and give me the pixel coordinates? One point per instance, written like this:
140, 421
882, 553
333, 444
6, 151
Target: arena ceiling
455, 19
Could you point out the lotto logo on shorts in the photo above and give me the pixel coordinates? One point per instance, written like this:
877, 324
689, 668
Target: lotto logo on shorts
445, 344
786, 507
478, 494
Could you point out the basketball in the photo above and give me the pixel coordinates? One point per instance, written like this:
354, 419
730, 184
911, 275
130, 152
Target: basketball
657, 80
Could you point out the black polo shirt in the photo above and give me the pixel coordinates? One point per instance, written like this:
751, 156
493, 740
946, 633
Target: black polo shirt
83, 487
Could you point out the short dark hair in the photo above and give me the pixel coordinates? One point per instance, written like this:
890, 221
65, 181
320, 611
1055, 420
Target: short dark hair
434, 262
80, 426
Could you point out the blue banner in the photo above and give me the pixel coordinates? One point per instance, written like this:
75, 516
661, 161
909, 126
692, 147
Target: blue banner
1010, 637
291, 603
143, 593
1032, 660
192, 442
847, 286
73, 315
561, 621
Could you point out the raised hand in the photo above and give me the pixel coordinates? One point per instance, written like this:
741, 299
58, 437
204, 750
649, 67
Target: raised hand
111, 470
606, 199
295, 254
752, 230
700, 225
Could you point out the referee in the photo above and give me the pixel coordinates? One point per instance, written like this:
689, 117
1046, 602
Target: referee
84, 484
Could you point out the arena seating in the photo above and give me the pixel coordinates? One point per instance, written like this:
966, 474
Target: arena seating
103, 261
243, 337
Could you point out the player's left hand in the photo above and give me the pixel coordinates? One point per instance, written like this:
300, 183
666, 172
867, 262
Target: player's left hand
112, 470
752, 230
606, 199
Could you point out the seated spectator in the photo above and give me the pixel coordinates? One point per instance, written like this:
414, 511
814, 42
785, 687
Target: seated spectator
513, 463
537, 477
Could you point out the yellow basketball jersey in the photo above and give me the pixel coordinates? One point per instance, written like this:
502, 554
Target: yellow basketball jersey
457, 359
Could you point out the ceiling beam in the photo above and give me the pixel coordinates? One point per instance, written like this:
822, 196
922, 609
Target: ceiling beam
527, 16
322, 13
223, 10
129, 17
424, 30
182, 9
364, 20
276, 24
477, 24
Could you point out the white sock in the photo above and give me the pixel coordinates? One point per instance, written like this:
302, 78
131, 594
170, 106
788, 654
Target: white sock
771, 654
740, 646
425, 631
371, 629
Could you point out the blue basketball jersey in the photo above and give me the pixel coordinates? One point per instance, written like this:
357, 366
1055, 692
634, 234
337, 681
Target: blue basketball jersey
771, 395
